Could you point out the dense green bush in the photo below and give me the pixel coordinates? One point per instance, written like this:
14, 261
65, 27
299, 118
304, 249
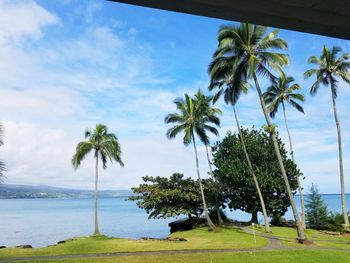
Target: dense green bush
277, 220
316, 210
233, 174
317, 214
163, 197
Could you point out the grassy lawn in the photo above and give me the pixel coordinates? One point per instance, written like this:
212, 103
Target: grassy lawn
199, 238
319, 238
303, 256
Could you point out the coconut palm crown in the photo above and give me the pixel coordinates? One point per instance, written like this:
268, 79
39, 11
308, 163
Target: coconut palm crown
105, 145
192, 120
282, 92
245, 50
329, 68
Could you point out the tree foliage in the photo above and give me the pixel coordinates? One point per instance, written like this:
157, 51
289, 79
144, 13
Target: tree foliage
237, 185
163, 197
316, 209
192, 118
243, 52
329, 69
317, 214
283, 91
104, 145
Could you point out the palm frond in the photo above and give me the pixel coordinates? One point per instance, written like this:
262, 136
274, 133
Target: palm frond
296, 105
83, 148
315, 87
273, 107
104, 144
174, 131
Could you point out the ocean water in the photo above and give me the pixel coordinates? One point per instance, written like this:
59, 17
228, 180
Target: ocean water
42, 222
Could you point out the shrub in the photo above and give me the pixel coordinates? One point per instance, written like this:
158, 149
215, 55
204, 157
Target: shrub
318, 216
316, 210
277, 220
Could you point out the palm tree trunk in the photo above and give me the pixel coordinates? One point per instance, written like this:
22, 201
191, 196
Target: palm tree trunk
97, 232
300, 230
210, 223
262, 202
341, 169
298, 178
212, 177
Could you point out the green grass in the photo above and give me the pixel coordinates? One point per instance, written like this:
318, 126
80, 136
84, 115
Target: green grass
303, 256
199, 238
319, 238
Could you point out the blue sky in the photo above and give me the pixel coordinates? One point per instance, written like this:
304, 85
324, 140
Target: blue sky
67, 65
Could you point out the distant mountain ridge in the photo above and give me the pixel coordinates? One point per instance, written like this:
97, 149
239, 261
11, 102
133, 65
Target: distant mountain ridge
14, 191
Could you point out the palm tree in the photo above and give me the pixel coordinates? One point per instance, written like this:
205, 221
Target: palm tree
105, 146
283, 92
251, 48
2, 164
192, 120
329, 68
221, 78
211, 113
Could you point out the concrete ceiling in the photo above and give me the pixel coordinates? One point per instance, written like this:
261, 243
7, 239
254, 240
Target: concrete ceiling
323, 17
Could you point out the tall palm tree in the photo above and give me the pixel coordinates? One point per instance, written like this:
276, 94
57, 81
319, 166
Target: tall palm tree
252, 48
192, 120
280, 93
105, 146
2, 164
221, 79
205, 102
329, 69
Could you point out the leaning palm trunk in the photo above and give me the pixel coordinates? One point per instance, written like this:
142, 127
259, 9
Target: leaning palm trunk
300, 230
97, 232
212, 177
262, 202
341, 169
210, 223
298, 179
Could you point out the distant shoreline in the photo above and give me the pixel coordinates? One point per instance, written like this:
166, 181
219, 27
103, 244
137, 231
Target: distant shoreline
13, 191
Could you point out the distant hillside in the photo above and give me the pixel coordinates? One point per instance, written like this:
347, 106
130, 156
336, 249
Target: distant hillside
12, 191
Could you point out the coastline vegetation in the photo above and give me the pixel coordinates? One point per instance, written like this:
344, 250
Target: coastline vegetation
199, 238
228, 237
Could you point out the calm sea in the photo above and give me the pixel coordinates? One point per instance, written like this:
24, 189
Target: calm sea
42, 222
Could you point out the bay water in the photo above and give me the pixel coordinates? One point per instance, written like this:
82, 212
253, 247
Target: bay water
43, 222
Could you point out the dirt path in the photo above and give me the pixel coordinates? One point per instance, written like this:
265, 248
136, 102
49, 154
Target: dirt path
274, 242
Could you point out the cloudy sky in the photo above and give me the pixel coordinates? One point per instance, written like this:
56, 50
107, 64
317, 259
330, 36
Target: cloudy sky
67, 65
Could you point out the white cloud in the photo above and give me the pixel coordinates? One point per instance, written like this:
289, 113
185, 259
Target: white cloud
91, 9
23, 18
